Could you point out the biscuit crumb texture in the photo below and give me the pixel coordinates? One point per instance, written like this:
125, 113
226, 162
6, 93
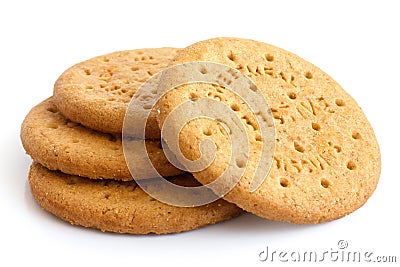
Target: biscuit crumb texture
60, 144
96, 92
327, 160
120, 207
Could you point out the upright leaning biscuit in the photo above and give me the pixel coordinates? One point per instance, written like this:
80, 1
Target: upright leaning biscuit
120, 207
97, 92
327, 159
59, 144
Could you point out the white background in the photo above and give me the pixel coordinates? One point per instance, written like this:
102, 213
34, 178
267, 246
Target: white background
356, 42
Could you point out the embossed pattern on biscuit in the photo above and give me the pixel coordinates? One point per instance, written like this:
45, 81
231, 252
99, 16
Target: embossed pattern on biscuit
96, 92
327, 159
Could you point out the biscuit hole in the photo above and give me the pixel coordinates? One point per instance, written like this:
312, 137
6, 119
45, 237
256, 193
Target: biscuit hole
106, 59
52, 125
258, 138
292, 95
231, 56
89, 87
308, 75
298, 147
316, 126
325, 183
338, 149
124, 91
147, 106
235, 107
339, 102
284, 182
151, 57
240, 163
277, 117
253, 87
106, 195
351, 165
108, 74
111, 99
203, 70
87, 72
207, 132
209, 94
52, 109
150, 73
193, 96
250, 123
135, 68
269, 57
102, 85
356, 136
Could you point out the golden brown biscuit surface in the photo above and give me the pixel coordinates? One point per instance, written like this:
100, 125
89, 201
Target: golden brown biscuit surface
327, 159
60, 144
121, 207
96, 92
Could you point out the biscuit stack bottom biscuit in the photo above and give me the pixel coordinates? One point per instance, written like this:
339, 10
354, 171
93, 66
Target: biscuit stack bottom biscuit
120, 207
80, 175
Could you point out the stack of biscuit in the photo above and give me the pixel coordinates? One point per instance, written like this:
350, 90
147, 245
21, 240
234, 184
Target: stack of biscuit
326, 162
79, 171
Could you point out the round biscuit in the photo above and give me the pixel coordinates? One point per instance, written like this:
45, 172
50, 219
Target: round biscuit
327, 160
96, 92
121, 207
60, 144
